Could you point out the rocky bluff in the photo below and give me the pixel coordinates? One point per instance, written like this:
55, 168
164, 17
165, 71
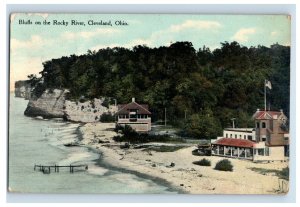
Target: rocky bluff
53, 104
23, 89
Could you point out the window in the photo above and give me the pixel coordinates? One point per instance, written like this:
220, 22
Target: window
133, 115
226, 135
263, 139
230, 135
240, 136
260, 152
263, 125
244, 136
257, 125
249, 137
235, 136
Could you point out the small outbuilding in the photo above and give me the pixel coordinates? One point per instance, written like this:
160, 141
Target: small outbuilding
135, 115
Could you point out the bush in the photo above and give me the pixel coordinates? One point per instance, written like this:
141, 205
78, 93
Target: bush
285, 173
203, 162
130, 135
224, 165
107, 118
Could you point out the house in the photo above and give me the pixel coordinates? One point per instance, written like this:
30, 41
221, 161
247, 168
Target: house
268, 141
135, 115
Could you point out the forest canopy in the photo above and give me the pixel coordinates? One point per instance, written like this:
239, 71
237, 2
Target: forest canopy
201, 89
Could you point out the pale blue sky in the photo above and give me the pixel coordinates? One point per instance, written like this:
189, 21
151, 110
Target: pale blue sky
33, 44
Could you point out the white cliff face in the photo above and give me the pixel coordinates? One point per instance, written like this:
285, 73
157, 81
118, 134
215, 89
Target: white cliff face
89, 111
53, 104
49, 105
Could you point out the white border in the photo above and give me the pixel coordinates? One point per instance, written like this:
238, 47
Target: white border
216, 9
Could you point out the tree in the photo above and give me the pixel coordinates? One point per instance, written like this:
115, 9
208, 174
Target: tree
203, 126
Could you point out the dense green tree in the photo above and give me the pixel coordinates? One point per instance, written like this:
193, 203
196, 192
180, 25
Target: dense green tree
202, 90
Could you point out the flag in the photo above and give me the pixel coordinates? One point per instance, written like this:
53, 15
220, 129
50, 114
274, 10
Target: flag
268, 84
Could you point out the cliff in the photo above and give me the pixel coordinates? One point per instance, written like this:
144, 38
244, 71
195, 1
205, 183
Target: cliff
88, 111
23, 89
49, 105
53, 104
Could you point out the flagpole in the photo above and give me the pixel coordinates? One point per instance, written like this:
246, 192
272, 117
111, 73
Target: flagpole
265, 96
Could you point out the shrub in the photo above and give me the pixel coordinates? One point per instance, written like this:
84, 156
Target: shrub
130, 135
203, 162
224, 165
284, 174
107, 117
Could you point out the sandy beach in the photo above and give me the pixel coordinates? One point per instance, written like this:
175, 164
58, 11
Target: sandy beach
185, 176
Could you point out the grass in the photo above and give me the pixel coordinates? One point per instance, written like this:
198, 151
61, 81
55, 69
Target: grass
283, 174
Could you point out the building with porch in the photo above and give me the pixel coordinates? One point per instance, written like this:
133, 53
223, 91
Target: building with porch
135, 115
268, 141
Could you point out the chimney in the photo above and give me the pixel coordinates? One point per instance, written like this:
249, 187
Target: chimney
257, 110
133, 99
281, 111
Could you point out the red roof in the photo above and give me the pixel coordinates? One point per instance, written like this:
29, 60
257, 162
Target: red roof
141, 108
267, 114
234, 142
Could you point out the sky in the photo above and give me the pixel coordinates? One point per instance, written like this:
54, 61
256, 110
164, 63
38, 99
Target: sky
33, 44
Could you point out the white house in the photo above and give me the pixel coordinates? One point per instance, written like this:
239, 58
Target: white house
268, 141
135, 115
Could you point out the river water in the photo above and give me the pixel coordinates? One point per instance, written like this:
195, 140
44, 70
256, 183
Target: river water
34, 141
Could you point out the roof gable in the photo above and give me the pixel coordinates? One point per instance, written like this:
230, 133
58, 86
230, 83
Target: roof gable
268, 115
141, 109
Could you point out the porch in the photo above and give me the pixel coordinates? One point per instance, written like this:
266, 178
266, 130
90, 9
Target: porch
232, 152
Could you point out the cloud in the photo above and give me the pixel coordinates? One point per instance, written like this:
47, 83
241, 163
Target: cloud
20, 68
89, 34
288, 43
274, 34
126, 45
34, 42
194, 24
243, 34
166, 35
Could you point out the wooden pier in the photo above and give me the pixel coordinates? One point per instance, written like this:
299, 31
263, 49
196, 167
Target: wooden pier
46, 169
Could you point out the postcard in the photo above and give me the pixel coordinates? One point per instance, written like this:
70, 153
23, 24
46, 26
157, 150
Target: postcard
149, 103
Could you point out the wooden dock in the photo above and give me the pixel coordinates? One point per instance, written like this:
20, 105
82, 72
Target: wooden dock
46, 169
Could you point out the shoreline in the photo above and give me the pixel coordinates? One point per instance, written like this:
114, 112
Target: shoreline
102, 162
184, 177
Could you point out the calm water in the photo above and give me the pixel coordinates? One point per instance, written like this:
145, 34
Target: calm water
33, 141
